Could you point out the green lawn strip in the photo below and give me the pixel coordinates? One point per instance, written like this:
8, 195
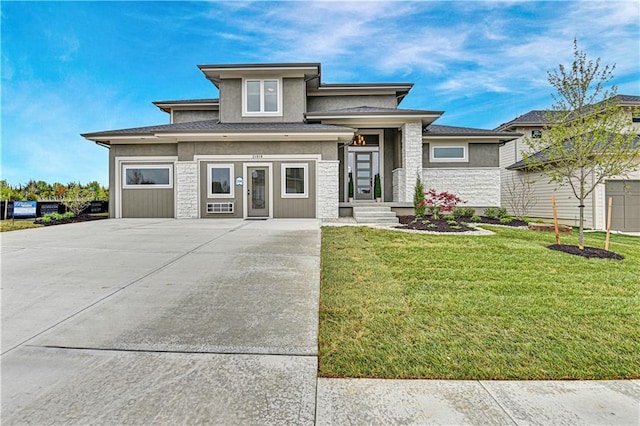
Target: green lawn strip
399, 305
18, 224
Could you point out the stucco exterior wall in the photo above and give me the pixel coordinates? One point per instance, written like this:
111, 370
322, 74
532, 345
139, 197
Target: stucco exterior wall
479, 187
293, 102
190, 116
329, 103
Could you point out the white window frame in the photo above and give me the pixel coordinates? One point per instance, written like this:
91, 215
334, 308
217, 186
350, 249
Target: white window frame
262, 112
232, 180
463, 159
126, 167
283, 179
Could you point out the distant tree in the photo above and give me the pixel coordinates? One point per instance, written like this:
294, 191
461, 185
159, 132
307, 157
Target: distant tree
520, 194
77, 198
588, 137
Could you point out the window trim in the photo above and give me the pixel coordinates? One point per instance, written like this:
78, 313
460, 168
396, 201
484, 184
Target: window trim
126, 167
232, 187
463, 159
283, 179
262, 112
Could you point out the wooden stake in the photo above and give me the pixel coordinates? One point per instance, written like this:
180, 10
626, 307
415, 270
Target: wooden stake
555, 218
606, 243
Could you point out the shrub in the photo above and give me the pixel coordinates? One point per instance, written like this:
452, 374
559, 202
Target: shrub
459, 212
506, 219
475, 218
495, 212
437, 202
68, 215
449, 217
419, 208
452, 223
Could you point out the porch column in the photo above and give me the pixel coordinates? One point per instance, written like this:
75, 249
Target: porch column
327, 188
186, 180
411, 160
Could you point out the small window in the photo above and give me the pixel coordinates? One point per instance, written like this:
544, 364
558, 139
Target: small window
536, 134
448, 153
220, 181
635, 118
142, 176
262, 97
295, 181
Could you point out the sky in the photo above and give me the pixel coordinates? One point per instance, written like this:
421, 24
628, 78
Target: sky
78, 67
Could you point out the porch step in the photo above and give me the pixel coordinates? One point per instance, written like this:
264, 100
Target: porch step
374, 214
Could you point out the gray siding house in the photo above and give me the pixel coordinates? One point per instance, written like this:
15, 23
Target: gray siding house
624, 190
279, 143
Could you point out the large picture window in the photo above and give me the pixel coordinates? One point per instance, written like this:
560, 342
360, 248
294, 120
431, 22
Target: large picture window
143, 176
449, 153
295, 181
262, 97
220, 181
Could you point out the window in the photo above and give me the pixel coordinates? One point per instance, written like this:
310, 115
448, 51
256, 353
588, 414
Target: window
295, 181
536, 134
635, 118
142, 176
220, 181
262, 97
451, 154
220, 207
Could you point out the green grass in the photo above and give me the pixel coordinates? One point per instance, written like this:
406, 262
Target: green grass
9, 225
398, 305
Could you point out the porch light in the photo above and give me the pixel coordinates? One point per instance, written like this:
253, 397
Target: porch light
358, 140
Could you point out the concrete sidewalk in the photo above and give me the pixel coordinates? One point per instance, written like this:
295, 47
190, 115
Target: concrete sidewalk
203, 321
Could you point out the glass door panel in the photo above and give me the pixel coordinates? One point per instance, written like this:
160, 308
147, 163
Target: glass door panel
257, 192
364, 176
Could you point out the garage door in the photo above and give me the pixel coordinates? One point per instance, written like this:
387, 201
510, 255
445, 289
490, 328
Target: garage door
625, 209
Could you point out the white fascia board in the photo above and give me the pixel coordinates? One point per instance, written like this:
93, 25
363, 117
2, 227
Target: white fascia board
280, 136
376, 120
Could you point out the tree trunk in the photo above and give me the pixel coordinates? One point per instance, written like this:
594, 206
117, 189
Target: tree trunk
581, 232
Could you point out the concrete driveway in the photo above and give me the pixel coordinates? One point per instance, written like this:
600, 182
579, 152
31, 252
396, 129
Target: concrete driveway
161, 321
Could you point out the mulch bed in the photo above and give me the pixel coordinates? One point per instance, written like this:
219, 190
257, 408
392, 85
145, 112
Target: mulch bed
63, 221
588, 252
442, 225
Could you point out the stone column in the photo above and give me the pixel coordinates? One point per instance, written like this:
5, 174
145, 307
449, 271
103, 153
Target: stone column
186, 189
411, 159
327, 187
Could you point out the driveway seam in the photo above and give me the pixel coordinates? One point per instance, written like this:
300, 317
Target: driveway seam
125, 286
502, 407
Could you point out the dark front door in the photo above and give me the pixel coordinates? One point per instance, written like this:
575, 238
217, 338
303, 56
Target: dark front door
363, 176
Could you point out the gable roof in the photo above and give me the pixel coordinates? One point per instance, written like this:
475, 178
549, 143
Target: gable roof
542, 156
537, 117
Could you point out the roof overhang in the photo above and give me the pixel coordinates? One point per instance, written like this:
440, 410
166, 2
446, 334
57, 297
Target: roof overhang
470, 137
167, 106
399, 90
374, 119
209, 136
215, 73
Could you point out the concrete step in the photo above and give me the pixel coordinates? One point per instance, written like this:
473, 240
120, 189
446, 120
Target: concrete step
374, 214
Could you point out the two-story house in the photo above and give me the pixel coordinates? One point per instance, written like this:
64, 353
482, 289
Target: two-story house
624, 190
280, 143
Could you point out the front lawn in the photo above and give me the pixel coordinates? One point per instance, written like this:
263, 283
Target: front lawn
11, 225
398, 305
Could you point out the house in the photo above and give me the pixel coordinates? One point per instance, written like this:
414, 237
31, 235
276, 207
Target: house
280, 143
624, 190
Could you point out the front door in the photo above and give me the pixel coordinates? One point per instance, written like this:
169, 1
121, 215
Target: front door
364, 175
258, 192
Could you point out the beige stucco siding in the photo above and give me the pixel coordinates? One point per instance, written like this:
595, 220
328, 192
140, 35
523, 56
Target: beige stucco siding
190, 116
329, 103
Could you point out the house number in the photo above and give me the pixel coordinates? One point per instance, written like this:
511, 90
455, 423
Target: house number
257, 157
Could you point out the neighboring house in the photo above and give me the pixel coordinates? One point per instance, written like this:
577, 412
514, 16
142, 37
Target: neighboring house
280, 143
624, 190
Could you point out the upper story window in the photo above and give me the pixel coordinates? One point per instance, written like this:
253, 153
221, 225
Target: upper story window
536, 134
635, 118
262, 97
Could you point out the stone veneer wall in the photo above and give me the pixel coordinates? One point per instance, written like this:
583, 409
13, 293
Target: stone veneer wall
327, 189
186, 189
411, 160
478, 187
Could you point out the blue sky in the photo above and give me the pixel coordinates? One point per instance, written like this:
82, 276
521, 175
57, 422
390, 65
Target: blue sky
77, 67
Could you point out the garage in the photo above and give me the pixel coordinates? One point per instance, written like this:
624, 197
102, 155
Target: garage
625, 208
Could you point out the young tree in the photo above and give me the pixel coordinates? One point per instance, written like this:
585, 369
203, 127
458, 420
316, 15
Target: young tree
588, 136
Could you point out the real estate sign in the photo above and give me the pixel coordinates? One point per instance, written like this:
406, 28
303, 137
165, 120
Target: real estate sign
24, 209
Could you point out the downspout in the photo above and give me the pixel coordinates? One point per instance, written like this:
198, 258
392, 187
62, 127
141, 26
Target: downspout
102, 144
